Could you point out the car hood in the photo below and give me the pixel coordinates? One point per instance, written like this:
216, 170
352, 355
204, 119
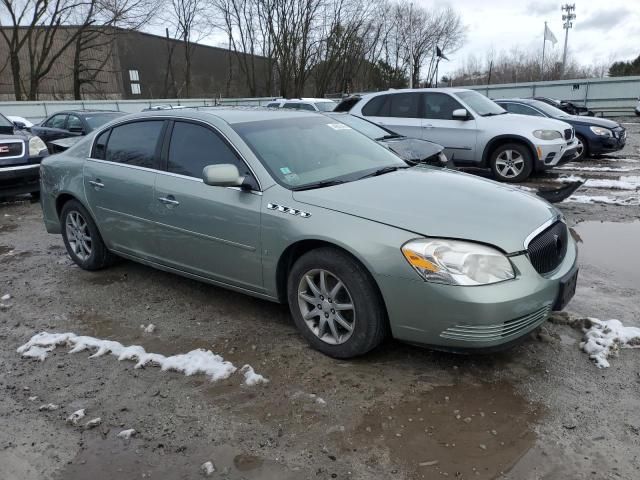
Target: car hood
591, 121
528, 123
439, 203
412, 149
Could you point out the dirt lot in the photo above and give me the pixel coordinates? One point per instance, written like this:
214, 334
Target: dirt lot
541, 410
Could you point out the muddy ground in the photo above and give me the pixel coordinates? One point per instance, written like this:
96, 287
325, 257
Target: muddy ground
541, 410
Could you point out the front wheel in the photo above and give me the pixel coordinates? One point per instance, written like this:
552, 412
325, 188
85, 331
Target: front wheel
511, 163
582, 150
335, 303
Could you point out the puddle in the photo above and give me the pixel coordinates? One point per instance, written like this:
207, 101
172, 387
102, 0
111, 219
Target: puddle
611, 247
461, 431
106, 459
8, 227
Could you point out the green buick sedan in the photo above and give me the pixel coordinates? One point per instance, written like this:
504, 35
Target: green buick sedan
299, 208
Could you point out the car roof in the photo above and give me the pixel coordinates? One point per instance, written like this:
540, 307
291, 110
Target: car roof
230, 115
420, 90
86, 112
298, 100
530, 101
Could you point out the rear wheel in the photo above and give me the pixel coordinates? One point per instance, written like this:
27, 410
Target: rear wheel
582, 151
335, 303
511, 162
82, 239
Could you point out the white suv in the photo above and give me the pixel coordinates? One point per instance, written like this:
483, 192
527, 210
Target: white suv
311, 104
474, 130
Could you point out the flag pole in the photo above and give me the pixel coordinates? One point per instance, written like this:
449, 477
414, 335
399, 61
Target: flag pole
544, 44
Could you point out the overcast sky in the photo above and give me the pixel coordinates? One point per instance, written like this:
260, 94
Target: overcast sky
602, 30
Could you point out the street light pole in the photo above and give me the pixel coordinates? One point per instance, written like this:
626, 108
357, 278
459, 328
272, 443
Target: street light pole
568, 23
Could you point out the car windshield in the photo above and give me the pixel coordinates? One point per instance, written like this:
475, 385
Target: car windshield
548, 109
480, 104
98, 119
325, 106
300, 152
371, 130
5, 122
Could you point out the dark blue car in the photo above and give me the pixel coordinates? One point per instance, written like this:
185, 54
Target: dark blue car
595, 135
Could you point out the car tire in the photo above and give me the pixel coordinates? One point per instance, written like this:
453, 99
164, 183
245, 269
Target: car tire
511, 162
582, 151
82, 239
325, 327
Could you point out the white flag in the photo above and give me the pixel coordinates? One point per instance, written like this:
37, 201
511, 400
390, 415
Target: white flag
548, 35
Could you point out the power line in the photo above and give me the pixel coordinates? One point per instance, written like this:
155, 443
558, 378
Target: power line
567, 18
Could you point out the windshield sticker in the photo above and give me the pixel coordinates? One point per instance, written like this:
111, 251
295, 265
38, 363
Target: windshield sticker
285, 170
339, 126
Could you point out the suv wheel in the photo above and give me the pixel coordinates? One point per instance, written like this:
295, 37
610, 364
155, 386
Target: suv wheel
82, 239
511, 162
583, 150
335, 304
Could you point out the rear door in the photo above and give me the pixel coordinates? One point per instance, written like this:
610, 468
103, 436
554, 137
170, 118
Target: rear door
458, 137
119, 180
54, 128
213, 232
399, 112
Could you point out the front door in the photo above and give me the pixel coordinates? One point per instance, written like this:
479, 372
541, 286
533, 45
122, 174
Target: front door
119, 181
213, 232
458, 137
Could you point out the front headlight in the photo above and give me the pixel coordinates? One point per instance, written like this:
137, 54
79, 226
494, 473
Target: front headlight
547, 134
455, 262
36, 146
603, 132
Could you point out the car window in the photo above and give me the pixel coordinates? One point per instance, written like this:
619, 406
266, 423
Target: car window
521, 109
99, 119
100, 149
306, 106
439, 106
193, 147
134, 143
295, 106
57, 121
74, 123
377, 107
480, 104
325, 106
404, 105
273, 105
5, 122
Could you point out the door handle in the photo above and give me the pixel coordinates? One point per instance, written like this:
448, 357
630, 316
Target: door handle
97, 183
169, 200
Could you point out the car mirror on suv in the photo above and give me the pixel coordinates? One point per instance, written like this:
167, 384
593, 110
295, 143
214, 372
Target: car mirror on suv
19, 125
223, 175
460, 114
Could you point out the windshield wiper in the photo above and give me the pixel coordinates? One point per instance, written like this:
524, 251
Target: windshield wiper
383, 170
492, 114
389, 137
322, 184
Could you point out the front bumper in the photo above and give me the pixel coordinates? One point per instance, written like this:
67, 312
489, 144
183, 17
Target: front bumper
481, 317
18, 179
599, 144
549, 155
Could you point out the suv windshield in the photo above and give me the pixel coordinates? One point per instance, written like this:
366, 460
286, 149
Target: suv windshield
480, 104
371, 130
548, 109
325, 106
300, 152
96, 120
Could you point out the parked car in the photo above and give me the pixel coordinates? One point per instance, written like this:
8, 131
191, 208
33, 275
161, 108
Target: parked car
474, 130
72, 123
286, 207
311, 104
638, 108
566, 106
412, 150
20, 157
594, 135
20, 122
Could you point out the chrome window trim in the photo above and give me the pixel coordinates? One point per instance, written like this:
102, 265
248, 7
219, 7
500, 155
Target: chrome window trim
126, 165
14, 140
176, 117
541, 228
19, 167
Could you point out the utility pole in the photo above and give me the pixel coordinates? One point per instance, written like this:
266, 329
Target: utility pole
567, 18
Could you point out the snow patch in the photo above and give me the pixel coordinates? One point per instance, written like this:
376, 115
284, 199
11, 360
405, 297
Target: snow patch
126, 434
251, 377
623, 183
48, 407
603, 339
76, 416
5, 297
94, 422
207, 468
191, 363
591, 199
149, 328
569, 166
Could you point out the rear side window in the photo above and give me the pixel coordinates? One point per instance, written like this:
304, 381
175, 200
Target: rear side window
404, 105
307, 106
74, 123
193, 147
374, 107
100, 148
134, 143
273, 105
439, 106
295, 106
57, 121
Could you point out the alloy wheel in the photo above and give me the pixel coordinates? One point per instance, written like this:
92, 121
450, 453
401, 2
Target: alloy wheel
509, 163
326, 306
78, 235
579, 148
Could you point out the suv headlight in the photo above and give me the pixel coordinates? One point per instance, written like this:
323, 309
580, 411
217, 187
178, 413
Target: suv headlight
603, 132
36, 146
455, 262
547, 134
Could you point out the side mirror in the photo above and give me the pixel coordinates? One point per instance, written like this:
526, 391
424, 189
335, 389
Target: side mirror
460, 114
19, 125
223, 175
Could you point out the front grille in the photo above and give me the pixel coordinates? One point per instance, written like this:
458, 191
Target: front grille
11, 149
568, 134
547, 250
497, 331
